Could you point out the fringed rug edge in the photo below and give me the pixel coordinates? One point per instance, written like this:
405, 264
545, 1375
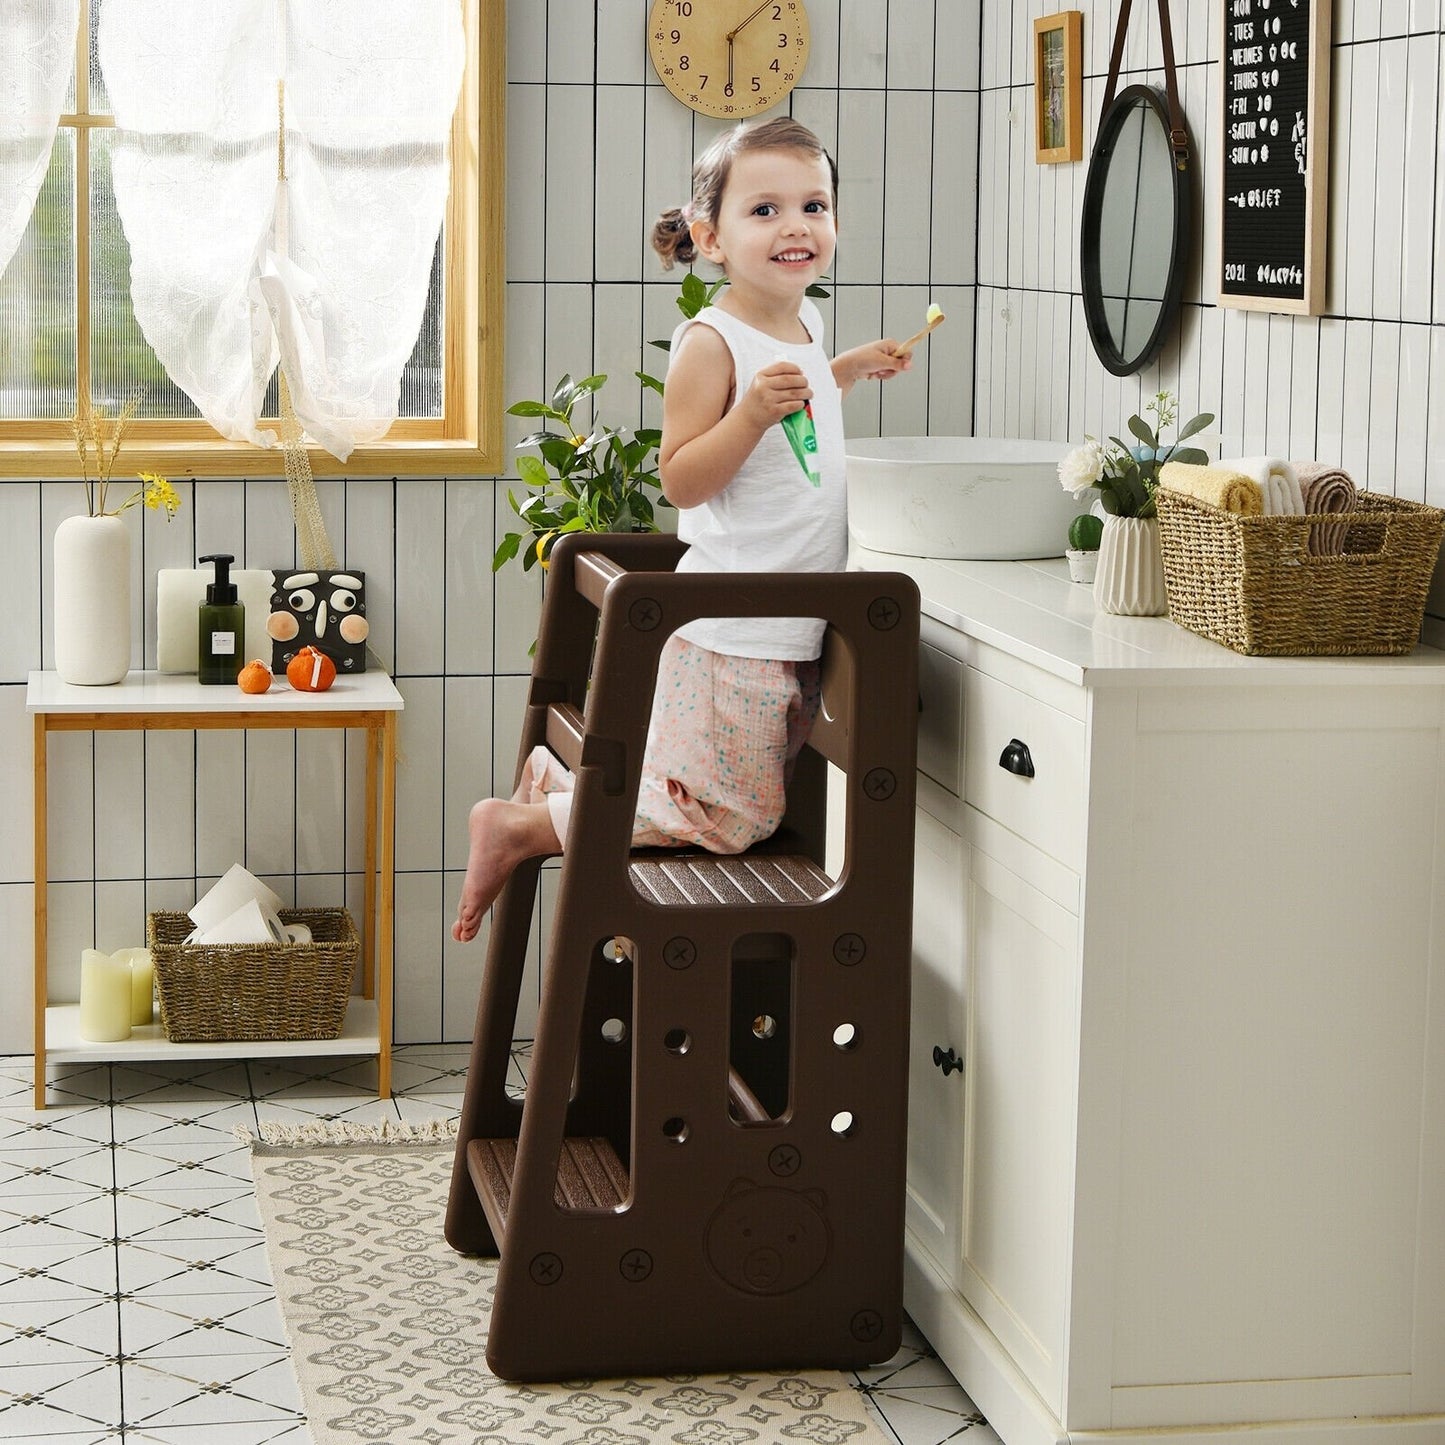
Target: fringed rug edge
343, 1133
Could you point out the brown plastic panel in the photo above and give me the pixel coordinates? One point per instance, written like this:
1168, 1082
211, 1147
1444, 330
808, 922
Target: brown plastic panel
712, 1236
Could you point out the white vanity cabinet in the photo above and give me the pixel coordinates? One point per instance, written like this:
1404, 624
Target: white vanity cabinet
1191, 1174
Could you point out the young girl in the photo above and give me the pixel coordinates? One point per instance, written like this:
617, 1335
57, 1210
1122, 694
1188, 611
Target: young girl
735, 696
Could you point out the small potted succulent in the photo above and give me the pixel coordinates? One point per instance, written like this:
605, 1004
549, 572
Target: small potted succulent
1085, 533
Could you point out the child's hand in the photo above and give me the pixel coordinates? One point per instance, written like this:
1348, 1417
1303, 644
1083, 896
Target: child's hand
874, 361
776, 391
879, 360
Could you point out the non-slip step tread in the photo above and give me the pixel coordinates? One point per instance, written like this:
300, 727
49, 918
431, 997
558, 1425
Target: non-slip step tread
735, 881
590, 1176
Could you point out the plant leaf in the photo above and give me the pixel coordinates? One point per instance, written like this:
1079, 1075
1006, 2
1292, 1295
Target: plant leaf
506, 550
651, 381
1195, 424
533, 472
534, 408
1193, 455
1140, 428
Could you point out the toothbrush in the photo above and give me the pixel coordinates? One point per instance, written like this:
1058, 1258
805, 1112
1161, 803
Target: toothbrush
934, 316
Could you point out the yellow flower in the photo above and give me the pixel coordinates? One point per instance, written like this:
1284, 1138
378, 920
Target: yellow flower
158, 492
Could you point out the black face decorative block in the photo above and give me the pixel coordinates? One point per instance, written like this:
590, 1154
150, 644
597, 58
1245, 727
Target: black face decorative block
324, 610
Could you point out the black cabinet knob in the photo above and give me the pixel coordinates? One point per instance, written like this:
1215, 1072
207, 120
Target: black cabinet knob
948, 1062
1015, 758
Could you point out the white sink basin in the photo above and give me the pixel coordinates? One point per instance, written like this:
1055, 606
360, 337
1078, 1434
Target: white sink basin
989, 498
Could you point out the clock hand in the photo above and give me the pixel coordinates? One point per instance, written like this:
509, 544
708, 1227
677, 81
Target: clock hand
732, 34
729, 90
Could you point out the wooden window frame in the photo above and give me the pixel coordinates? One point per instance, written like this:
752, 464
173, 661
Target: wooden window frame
467, 439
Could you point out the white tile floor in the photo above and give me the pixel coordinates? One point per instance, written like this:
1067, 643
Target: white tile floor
135, 1297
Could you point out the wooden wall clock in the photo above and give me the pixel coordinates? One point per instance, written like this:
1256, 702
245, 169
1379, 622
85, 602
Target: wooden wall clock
728, 58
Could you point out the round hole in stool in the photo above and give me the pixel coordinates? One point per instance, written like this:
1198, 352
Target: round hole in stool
675, 1129
842, 1123
845, 1037
765, 1026
614, 1031
677, 1041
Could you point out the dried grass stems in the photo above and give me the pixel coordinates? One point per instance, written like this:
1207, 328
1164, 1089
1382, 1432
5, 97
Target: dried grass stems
97, 441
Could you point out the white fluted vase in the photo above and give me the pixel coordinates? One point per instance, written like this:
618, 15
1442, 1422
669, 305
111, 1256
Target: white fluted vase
1130, 576
92, 600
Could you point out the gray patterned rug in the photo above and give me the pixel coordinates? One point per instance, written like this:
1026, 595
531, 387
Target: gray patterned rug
387, 1323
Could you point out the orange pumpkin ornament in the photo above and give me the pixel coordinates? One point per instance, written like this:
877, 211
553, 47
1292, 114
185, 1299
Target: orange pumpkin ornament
310, 671
254, 677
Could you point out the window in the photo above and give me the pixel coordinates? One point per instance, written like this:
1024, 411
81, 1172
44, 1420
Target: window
66, 323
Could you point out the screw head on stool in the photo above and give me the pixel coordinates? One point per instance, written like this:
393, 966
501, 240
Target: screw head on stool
679, 952
546, 1268
635, 1265
883, 613
644, 614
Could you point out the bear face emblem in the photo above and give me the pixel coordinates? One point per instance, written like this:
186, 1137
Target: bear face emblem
765, 1240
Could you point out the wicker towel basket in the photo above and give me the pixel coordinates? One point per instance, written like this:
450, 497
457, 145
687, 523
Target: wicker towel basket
254, 990
1252, 583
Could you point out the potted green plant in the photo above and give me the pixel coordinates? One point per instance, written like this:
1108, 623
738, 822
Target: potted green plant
1085, 533
601, 480
1130, 573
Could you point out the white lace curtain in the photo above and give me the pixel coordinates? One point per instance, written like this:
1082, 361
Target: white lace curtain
37, 54
233, 268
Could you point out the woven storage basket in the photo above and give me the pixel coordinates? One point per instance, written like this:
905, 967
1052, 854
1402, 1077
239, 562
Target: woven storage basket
1252, 583
254, 990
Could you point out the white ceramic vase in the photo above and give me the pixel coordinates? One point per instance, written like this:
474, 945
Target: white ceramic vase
1130, 576
92, 600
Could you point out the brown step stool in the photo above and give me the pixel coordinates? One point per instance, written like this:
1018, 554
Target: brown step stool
707, 1171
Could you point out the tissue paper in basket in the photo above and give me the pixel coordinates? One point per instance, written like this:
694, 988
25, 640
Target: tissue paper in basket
255, 990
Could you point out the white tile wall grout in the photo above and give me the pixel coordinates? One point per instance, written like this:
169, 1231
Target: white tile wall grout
928, 104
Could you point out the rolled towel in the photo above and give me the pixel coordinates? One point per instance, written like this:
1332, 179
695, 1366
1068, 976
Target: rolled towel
1326, 489
1229, 491
1277, 480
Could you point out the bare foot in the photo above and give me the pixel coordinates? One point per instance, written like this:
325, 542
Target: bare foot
502, 834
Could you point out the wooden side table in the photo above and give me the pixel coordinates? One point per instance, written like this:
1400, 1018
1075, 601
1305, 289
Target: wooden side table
151, 700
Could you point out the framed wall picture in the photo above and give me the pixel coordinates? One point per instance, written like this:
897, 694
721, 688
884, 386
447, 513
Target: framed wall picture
1058, 87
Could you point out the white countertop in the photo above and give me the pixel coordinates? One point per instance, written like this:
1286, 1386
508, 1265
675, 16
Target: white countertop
161, 692
1032, 611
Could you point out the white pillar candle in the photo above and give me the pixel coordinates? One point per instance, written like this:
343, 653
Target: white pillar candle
104, 998
142, 983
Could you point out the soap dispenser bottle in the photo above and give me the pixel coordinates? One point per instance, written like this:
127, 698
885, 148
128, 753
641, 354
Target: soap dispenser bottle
223, 625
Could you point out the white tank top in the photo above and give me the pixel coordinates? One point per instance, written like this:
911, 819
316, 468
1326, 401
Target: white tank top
770, 517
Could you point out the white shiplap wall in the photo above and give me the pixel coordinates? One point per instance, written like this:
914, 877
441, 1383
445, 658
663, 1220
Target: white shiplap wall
596, 148
1362, 385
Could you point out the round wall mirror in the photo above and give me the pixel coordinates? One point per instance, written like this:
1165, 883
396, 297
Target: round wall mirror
1135, 235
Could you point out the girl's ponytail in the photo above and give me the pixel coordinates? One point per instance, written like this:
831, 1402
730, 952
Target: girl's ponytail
672, 240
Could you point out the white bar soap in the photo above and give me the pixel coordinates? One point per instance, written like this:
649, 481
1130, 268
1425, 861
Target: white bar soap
179, 594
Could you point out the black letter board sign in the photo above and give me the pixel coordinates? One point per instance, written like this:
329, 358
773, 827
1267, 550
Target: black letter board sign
1275, 67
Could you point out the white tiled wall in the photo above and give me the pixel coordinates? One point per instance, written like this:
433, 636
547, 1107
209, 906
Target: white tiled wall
927, 106
1362, 386
596, 148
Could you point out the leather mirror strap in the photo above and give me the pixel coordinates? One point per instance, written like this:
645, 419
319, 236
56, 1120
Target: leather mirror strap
1178, 130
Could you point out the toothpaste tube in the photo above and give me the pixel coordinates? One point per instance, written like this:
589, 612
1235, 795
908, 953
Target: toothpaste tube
802, 436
